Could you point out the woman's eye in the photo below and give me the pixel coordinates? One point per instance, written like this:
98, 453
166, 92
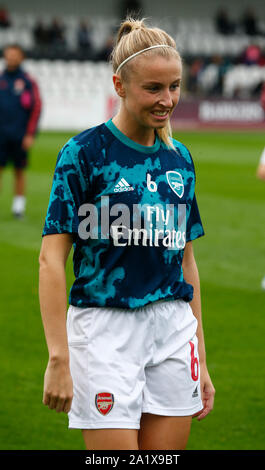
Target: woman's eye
156, 88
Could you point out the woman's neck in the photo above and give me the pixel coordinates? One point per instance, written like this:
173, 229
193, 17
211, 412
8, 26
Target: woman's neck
133, 131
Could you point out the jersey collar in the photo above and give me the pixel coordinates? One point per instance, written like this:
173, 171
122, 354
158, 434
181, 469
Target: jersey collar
129, 142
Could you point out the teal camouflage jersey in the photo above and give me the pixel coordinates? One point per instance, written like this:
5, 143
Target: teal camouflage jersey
130, 209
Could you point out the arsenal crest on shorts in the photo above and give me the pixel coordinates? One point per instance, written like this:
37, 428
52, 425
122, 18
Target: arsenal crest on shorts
104, 402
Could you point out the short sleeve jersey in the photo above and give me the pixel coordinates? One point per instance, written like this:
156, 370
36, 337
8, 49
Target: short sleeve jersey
130, 209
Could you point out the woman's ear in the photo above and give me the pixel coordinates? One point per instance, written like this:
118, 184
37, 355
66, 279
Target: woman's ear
118, 85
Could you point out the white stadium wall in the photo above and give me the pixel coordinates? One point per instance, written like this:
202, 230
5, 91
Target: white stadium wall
75, 95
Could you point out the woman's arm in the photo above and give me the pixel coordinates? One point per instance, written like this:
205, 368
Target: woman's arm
261, 165
58, 387
191, 276
261, 171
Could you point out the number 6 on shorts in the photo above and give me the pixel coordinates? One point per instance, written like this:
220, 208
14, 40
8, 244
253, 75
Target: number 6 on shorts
194, 363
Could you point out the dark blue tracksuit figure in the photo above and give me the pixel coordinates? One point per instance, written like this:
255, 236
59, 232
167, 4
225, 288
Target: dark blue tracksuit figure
20, 108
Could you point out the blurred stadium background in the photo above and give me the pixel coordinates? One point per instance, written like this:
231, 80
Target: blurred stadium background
221, 120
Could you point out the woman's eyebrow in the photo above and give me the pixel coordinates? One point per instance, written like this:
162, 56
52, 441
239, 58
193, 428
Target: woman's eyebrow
156, 82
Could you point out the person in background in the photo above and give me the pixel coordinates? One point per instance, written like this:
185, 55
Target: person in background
223, 24
249, 23
194, 71
84, 35
4, 18
252, 55
261, 166
84, 39
41, 34
57, 34
105, 51
20, 108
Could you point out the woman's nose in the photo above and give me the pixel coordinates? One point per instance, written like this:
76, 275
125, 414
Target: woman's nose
166, 99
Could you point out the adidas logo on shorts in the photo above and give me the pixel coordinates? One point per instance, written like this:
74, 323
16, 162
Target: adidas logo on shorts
122, 186
195, 393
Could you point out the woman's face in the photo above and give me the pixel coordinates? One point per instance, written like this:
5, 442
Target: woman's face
152, 90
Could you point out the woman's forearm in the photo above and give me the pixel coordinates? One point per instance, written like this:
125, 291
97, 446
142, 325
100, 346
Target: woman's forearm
53, 306
58, 384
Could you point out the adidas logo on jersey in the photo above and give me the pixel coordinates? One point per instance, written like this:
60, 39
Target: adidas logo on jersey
122, 186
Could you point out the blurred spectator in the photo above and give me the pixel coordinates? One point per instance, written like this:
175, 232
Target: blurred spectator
249, 23
104, 53
262, 96
193, 75
262, 58
84, 36
261, 165
222, 67
4, 18
223, 24
206, 76
56, 33
41, 34
253, 55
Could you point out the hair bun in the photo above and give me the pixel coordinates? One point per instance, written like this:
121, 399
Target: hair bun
129, 25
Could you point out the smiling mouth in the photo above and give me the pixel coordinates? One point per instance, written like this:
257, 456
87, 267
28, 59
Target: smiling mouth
160, 113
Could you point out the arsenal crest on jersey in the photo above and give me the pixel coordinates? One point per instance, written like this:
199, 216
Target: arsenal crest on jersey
175, 181
104, 402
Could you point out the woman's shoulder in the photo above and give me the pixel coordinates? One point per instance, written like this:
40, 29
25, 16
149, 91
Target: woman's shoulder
92, 137
92, 141
182, 149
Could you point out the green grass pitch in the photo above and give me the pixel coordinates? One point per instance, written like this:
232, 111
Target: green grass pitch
231, 261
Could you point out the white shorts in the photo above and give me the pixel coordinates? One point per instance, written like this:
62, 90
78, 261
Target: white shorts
125, 362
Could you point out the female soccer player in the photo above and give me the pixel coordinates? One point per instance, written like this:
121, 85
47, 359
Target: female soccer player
129, 364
